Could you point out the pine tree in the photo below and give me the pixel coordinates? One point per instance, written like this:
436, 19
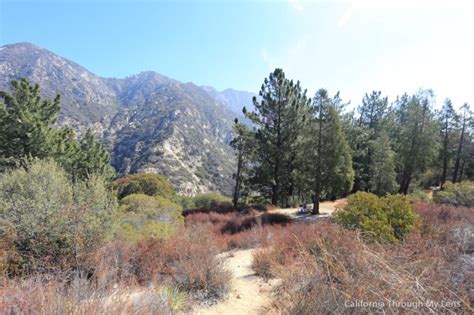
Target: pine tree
277, 119
416, 136
447, 118
373, 157
330, 160
26, 124
382, 166
27, 131
244, 145
91, 159
465, 122
372, 111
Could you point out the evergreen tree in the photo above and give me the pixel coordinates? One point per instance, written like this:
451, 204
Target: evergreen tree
27, 131
372, 111
91, 159
382, 166
26, 124
244, 145
373, 157
447, 117
329, 161
278, 120
464, 122
416, 136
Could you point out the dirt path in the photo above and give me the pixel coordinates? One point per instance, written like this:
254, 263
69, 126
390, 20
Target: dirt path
249, 294
326, 209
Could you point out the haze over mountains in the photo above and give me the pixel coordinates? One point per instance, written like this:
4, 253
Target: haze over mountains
150, 123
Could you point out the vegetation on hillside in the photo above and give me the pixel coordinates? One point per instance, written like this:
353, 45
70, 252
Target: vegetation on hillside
73, 240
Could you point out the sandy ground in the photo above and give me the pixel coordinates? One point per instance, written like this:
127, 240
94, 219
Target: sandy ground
249, 293
326, 209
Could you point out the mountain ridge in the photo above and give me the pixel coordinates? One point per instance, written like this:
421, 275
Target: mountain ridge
150, 122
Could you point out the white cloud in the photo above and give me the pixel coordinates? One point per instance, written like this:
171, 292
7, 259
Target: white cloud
297, 5
345, 17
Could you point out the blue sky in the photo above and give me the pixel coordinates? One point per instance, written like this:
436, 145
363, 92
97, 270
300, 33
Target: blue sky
352, 46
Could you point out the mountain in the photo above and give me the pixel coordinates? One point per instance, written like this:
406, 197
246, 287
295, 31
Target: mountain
172, 128
234, 99
149, 122
87, 100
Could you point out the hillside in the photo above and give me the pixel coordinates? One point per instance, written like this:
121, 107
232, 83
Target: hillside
234, 99
149, 122
172, 128
86, 99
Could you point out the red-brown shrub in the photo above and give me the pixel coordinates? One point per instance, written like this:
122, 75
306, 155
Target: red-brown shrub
46, 295
323, 267
187, 261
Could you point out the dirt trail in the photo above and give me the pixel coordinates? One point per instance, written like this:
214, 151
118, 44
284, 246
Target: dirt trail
326, 209
249, 294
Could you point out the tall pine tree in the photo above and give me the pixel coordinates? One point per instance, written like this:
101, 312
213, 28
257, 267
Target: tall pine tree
465, 122
329, 161
447, 117
277, 118
416, 136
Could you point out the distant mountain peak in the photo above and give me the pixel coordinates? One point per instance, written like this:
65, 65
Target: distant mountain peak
234, 99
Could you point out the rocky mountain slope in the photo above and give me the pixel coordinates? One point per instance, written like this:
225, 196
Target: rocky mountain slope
151, 123
172, 128
234, 99
87, 100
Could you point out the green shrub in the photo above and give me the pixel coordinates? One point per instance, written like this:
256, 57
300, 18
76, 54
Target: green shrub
186, 202
459, 194
143, 216
379, 218
145, 183
56, 223
418, 195
209, 200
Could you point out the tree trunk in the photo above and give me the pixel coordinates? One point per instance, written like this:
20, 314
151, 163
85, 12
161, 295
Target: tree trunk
238, 180
316, 203
461, 170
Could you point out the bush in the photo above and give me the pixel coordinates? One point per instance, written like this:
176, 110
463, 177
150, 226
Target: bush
323, 267
53, 295
142, 216
56, 223
196, 269
262, 263
186, 202
145, 183
209, 200
186, 261
379, 218
418, 195
242, 223
459, 194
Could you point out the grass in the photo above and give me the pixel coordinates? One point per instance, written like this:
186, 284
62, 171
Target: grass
321, 266
324, 267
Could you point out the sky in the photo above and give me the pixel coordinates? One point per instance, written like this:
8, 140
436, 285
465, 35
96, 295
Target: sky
349, 46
